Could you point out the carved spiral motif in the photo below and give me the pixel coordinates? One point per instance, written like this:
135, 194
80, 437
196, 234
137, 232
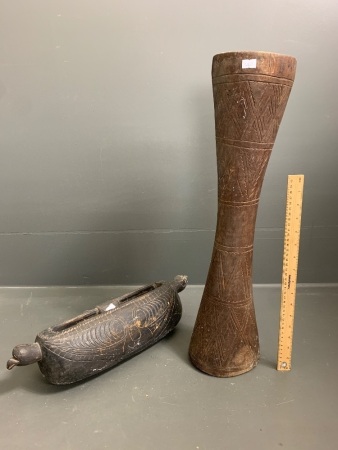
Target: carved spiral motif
102, 341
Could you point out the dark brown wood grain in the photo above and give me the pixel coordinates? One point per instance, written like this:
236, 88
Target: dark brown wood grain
249, 105
106, 335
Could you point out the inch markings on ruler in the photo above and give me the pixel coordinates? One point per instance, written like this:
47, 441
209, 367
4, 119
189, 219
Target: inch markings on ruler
293, 218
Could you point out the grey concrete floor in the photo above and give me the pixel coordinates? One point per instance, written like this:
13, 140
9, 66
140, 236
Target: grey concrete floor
158, 400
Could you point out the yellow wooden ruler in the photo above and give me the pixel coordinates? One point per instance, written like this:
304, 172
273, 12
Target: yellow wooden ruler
290, 265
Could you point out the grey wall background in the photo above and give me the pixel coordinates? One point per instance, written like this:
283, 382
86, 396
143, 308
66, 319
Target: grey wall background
108, 165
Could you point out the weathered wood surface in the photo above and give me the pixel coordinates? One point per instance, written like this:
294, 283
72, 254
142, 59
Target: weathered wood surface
250, 90
108, 334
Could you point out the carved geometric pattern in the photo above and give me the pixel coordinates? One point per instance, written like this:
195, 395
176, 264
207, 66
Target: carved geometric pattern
218, 350
229, 277
240, 172
253, 110
247, 116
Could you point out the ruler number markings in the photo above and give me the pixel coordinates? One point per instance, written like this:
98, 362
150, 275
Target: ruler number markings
290, 266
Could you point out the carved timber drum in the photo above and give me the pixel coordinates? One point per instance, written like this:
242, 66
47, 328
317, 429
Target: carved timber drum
251, 90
